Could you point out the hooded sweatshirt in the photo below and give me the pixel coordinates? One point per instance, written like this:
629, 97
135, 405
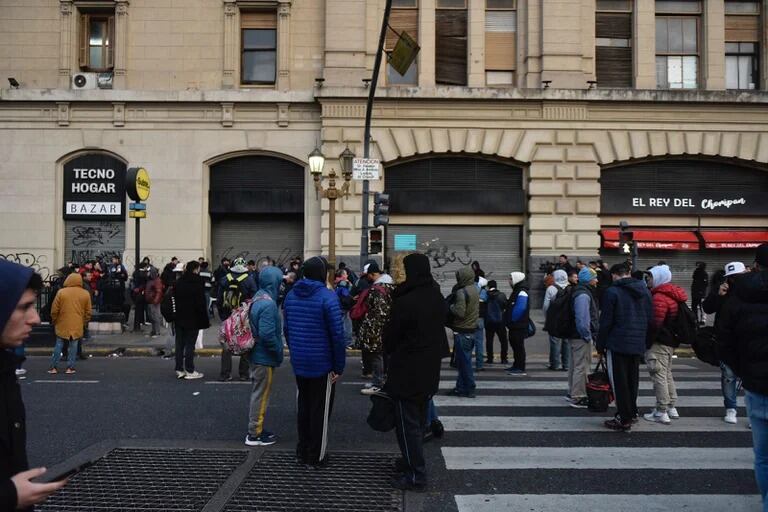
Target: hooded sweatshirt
585, 306
665, 298
314, 329
266, 324
71, 310
561, 283
518, 303
625, 317
466, 306
13, 432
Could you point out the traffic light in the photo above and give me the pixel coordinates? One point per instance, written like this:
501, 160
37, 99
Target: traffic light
380, 209
375, 237
626, 243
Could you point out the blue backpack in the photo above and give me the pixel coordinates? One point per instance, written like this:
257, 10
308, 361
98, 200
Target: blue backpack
495, 311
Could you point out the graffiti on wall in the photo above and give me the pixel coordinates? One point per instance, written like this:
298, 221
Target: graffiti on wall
282, 259
87, 241
95, 236
37, 262
446, 260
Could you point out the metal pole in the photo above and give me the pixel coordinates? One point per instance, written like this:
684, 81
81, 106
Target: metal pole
332, 230
138, 234
367, 133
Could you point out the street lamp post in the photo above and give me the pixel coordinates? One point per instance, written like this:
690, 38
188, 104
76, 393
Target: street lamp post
331, 192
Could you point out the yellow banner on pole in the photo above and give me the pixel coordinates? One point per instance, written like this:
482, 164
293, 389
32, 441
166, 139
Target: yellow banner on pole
404, 54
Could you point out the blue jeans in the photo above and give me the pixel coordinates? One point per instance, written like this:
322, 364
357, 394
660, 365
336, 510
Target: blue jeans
464, 343
347, 329
431, 412
559, 353
479, 340
730, 385
71, 352
757, 410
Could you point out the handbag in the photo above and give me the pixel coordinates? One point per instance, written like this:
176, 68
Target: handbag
381, 417
531, 331
599, 392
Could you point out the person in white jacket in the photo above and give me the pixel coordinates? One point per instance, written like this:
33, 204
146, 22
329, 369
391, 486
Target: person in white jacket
559, 353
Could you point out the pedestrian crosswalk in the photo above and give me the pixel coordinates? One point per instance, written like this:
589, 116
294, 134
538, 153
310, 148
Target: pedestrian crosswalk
518, 446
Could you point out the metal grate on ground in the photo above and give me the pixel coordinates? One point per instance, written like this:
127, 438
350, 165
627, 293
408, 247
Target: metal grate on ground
351, 482
140, 479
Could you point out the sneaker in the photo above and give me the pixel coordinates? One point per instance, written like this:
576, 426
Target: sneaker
553, 368
657, 416
370, 390
568, 398
53, 371
456, 392
673, 414
21, 372
516, 372
70, 371
264, 439
225, 378
617, 425
730, 416
437, 428
404, 483
193, 375
580, 403
366, 376
180, 375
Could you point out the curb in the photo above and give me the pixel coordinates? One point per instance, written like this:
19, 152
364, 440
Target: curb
106, 351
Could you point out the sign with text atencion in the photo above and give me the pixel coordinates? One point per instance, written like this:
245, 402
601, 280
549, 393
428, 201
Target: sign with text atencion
365, 169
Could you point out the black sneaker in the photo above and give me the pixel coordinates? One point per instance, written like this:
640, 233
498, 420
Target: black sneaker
617, 425
581, 403
261, 440
225, 378
407, 484
437, 428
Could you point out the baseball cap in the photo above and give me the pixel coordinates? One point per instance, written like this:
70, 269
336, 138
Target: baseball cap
734, 267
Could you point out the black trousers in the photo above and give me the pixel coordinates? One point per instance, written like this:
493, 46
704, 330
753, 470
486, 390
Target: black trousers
492, 330
410, 419
138, 312
624, 373
314, 403
517, 340
243, 366
185, 349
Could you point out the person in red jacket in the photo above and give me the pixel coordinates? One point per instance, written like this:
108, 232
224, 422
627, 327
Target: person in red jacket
153, 295
661, 344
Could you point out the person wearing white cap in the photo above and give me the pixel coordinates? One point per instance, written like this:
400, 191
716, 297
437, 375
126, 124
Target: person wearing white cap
729, 382
517, 321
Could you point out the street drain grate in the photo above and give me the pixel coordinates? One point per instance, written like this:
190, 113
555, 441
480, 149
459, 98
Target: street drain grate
162, 480
352, 482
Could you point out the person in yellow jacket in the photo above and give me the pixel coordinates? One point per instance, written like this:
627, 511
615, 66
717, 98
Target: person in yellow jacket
71, 312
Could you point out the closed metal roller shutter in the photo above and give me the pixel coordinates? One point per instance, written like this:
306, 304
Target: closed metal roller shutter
497, 248
84, 240
280, 237
683, 263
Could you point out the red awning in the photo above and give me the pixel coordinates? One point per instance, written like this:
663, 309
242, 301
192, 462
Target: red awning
734, 239
656, 240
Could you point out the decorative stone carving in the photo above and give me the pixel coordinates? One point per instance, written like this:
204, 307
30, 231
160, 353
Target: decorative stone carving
282, 115
65, 7
63, 113
227, 115
118, 114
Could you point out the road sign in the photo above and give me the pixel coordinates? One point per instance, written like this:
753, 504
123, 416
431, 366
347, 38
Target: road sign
137, 214
365, 169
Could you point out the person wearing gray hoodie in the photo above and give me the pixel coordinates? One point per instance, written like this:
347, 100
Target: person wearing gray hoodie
559, 351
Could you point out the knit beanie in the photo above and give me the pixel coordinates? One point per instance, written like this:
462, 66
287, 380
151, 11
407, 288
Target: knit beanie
316, 269
586, 274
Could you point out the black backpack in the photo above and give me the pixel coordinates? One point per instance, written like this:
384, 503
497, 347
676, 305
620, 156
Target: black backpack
682, 327
494, 313
560, 321
705, 346
168, 306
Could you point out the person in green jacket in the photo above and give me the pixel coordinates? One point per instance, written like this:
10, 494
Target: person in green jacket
465, 310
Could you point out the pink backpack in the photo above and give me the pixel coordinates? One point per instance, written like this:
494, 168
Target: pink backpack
235, 332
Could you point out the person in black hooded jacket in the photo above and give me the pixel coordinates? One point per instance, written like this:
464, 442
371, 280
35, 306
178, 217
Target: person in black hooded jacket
743, 345
414, 343
19, 287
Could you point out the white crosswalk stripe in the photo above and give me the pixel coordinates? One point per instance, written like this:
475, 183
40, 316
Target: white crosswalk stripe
551, 438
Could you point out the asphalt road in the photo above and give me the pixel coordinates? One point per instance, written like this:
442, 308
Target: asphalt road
139, 398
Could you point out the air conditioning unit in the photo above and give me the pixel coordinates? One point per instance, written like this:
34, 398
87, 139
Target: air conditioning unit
85, 81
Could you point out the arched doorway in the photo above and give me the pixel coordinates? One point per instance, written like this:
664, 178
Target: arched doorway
458, 209
256, 203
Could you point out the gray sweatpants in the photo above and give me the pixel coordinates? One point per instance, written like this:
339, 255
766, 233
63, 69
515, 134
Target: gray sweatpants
659, 361
581, 363
261, 380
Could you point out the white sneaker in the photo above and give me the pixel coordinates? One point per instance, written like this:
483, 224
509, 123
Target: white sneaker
21, 372
657, 417
673, 414
193, 375
370, 390
730, 416
180, 375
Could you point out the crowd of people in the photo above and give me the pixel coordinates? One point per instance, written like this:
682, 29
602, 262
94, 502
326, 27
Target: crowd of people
401, 326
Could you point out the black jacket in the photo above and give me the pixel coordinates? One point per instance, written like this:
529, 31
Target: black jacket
625, 317
518, 298
743, 331
415, 340
700, 283
13, 430
191, 310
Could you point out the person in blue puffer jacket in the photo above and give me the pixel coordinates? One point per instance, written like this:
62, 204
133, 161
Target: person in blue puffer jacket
314, 331
267, 353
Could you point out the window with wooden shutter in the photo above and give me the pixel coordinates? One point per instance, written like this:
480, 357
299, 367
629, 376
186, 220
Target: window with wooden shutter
96, 38
258, 64
500, 42
613, 44
451, 42
402, 19
742, 43
677, 45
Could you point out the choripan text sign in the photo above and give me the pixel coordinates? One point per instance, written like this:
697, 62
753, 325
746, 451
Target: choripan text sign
94, 188
744, 202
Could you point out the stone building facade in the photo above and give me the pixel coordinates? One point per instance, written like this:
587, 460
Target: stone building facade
525, 129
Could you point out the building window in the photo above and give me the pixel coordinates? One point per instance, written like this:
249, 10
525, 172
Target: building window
97, 36
259, 48
742, 38
500, 42
613, 43
451, 42
403, 18
677, 44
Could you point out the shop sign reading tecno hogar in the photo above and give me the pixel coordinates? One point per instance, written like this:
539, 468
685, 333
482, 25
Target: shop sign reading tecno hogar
94, 188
